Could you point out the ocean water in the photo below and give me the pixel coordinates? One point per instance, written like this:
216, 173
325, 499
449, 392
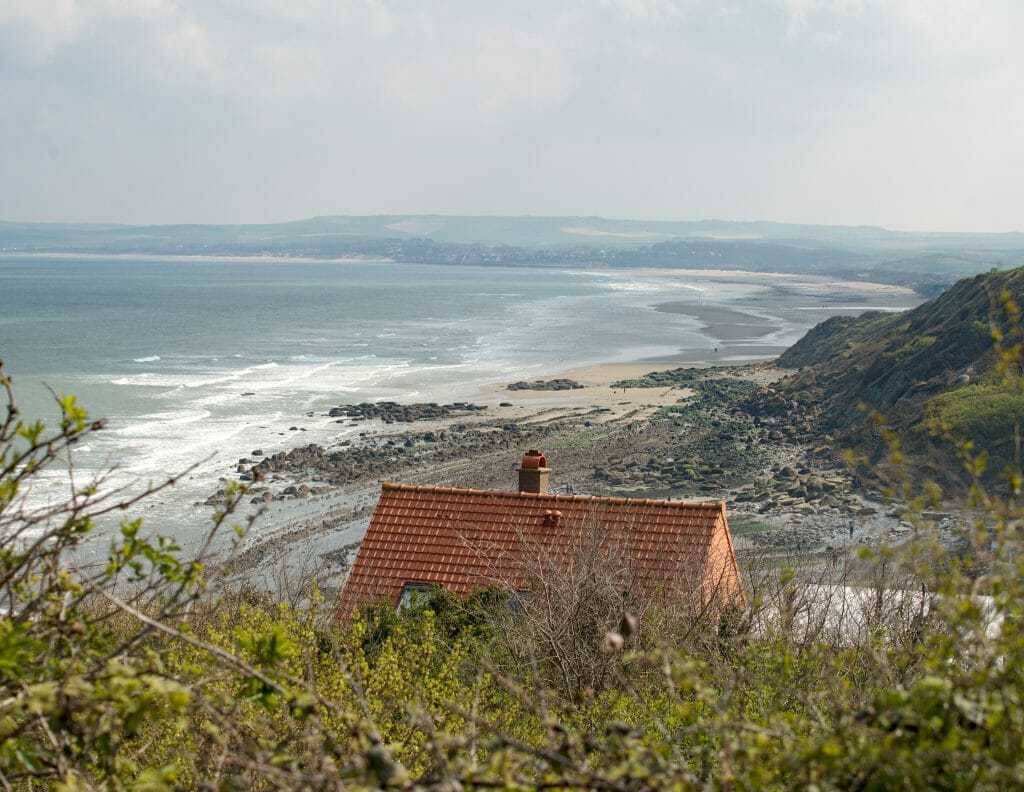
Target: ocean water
196, 361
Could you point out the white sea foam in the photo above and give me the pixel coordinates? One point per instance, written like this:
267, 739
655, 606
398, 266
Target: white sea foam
167, 413
501, 295
636, 286
156, 423
178, 379
147, 378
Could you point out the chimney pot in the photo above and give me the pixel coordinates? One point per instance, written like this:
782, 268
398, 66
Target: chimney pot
552, 518
534, 459
534, 472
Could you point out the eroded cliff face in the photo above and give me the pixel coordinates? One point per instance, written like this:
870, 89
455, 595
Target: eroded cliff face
899, 364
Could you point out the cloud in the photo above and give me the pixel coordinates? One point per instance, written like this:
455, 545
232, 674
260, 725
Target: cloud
287, 70
484, 76
160, 35
181, 41
374, 18
38, 28
942, 26
961, 27
687, 107
648, 10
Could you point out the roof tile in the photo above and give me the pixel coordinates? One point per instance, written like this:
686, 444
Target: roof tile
461, 538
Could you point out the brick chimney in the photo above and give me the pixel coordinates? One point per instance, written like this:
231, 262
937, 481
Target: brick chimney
534, 472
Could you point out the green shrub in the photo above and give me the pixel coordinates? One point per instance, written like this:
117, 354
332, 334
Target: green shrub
988, 414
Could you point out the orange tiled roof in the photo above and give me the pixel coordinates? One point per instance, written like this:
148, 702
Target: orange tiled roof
463, 539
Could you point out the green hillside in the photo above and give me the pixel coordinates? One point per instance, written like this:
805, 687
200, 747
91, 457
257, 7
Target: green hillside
935, 362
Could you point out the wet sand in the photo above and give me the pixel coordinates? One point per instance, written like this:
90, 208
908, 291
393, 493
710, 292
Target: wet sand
597, 392
723, 324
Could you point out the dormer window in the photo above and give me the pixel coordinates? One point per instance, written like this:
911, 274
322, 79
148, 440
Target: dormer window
414, 594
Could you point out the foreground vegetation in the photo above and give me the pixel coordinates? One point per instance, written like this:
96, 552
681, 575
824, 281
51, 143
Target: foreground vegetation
145, 673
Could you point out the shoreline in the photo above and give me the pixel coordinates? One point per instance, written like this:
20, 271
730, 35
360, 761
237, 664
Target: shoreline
835, 280
600, 440
277, 397
768, 276
597, 390
723, 324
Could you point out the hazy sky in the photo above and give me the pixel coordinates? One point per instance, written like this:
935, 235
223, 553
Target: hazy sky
903, 113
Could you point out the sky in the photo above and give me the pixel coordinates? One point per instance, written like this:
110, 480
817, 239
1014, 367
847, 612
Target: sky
901, 113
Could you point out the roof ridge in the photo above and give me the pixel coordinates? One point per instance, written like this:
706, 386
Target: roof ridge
555, 497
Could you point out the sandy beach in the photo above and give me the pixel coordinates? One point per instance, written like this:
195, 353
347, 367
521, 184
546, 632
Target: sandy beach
599, 440
304, 341
802, 281
597, 392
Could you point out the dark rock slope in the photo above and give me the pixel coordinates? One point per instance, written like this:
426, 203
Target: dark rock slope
897, 363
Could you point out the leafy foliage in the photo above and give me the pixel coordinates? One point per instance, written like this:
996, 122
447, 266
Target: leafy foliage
141, 674
988, 414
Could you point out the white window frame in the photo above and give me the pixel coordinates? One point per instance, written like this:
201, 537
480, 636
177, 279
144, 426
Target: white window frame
414, 593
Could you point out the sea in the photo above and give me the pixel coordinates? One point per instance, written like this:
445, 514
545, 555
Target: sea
195, 363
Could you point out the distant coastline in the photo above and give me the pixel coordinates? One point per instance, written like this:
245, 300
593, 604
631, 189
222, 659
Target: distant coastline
225, 259
926, 262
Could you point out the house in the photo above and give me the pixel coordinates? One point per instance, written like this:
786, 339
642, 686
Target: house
465, 539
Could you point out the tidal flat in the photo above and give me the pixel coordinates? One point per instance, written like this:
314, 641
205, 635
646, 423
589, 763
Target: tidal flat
196, 364
718, 434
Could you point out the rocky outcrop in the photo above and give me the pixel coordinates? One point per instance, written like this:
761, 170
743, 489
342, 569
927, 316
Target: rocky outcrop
393, 412
380, 457
560, 384
679, 377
